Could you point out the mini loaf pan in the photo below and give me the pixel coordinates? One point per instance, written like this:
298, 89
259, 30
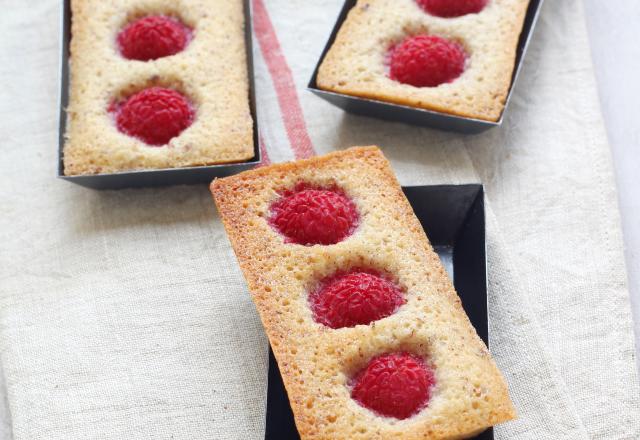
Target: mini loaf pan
151, 177
453, 218
416, 116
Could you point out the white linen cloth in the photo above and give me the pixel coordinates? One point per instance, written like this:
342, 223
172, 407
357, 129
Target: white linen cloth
123, 314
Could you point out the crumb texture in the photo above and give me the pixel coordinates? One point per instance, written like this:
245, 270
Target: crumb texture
211, 72
320, 364
357, 62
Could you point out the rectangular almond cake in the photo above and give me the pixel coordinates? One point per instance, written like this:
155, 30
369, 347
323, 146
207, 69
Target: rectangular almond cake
369, 334
360, 61
157, 84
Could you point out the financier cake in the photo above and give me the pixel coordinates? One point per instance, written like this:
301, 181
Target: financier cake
450, 56
368, 331
157, 84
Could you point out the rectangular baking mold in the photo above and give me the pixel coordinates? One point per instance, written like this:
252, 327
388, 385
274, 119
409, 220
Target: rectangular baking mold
151, 177
416, 116
453, 218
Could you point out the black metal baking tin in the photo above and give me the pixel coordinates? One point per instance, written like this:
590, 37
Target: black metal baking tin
453, 218
156, 177
412, 115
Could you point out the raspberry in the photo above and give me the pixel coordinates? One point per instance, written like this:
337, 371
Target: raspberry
452, 8
394, 385
311, 216
154, 115
426, 61
357, 297
152, 37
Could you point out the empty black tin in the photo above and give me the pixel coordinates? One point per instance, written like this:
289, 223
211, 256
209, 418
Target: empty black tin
453, 218
413, 115
152, 177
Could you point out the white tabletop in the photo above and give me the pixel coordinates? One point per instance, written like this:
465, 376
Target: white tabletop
616, 56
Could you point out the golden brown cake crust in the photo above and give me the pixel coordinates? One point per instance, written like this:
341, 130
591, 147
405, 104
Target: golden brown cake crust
355, 64
211, 72
316, 362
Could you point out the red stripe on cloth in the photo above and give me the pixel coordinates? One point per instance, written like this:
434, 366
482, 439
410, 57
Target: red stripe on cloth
263, 153
283, 83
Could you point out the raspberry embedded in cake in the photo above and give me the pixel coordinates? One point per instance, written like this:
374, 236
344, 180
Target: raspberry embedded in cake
311, 215
394, 385
426, 61
353, 298
153, 37
452, 8
154, 115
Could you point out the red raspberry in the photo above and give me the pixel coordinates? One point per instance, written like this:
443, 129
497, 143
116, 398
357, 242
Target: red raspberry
394, 385
311, 216
154, 115
452, 8
426, 61
152, 37
358, 297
